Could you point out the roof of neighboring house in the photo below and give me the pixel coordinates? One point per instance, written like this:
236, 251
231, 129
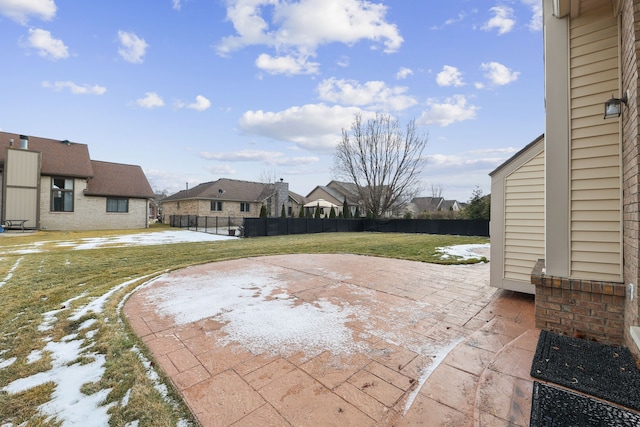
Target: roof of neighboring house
117, 179
58, 157
349, 189
515, 156
429, 204
447, 204
230, 189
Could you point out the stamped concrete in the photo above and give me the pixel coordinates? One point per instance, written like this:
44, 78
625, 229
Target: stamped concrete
379, 342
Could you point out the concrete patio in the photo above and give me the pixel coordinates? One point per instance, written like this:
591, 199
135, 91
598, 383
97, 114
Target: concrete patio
340, 340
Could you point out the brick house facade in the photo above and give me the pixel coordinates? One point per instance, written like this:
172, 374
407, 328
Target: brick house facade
232, 198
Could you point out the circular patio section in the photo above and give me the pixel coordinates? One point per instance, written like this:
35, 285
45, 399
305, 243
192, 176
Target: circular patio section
308, 339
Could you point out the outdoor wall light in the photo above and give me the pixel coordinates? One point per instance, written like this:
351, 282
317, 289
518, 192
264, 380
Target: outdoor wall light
613, 107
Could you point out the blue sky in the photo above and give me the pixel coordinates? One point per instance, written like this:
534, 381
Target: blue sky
196, 90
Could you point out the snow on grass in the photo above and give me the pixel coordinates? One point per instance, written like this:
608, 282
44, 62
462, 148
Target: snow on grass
146, 239
68, 404
463, 252
138, 239
7, 363
10, 274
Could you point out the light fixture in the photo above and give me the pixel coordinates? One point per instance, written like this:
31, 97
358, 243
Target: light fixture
613, 107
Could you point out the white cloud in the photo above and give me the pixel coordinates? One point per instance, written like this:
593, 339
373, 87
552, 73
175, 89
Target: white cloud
47, 46
271, 158
287, 65
489, 157
132, 48
343, 61
220, 170
499, 74
449, 76
200, 104
453, 110
502, 20
176, 4
403, 73
75, 88
374, 94
535, 24
311, 126
151, 100
297, 29
21, 10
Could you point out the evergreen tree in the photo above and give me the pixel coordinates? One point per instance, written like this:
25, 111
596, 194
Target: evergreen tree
317, 213
283, 212
479, 206
345, 209
263, 211
301, 213
332, 213
357, 214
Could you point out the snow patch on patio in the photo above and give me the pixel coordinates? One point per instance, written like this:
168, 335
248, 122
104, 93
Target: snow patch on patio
258, 313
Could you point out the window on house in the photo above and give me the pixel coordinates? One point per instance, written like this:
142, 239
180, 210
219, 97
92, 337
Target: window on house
117, 205
216, 205
244, 207
62, 194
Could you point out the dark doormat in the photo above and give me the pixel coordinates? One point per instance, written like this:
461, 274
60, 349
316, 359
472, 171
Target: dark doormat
556, 407
604, 371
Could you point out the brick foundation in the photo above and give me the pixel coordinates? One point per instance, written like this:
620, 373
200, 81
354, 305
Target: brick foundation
586, 308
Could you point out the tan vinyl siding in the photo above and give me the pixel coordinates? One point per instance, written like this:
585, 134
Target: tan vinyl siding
524, 219
20, 191
595, 191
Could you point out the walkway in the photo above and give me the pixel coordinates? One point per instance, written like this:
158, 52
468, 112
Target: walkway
340, 340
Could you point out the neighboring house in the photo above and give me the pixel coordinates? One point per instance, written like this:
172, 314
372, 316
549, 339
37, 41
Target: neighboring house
54, 185
336, 192
431, 205
583, 197
232, 198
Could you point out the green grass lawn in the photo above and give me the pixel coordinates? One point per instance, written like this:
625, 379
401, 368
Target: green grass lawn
58, 280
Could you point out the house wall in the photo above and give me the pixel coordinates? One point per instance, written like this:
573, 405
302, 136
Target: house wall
89, 213
630, 45
595, 149
319, 193
524, 220
517, 220
202, 207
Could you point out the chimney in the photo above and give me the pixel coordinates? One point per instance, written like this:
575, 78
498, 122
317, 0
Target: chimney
24, 142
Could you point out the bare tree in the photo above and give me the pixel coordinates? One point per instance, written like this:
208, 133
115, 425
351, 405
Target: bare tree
382, 161
268, 176
437, 190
